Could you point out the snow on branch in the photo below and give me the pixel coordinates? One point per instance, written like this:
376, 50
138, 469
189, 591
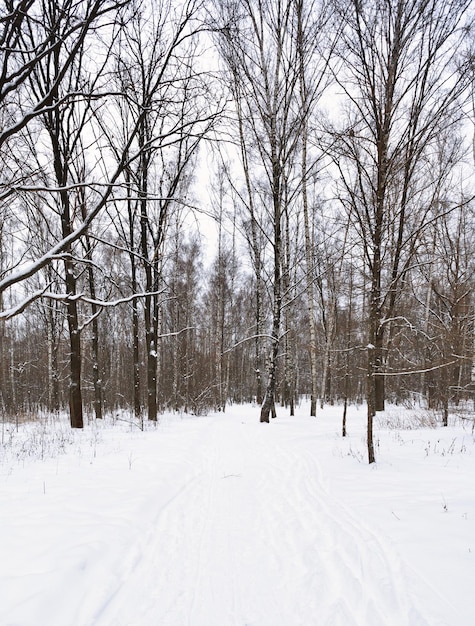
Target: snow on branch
176, 333
261, 336
21, 306
79, 297
421, 371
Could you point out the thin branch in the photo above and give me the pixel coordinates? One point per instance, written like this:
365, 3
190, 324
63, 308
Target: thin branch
422, 371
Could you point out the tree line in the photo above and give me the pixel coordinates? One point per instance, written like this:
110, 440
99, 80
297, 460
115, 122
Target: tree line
329, 142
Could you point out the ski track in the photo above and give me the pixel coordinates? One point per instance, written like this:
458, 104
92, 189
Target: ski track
217, 553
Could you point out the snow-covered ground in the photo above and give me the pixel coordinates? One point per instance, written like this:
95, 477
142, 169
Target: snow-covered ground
222, 521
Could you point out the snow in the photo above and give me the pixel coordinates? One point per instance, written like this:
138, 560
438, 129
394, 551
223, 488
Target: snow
221, 520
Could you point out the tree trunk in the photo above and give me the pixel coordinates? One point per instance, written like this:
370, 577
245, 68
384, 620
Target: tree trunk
269, 398
151, 360
269, 403
288, 391
373, 324
256, 256
96, 375
136, 351
75, 357
131, 206
379, 383
2, 345
330, 324
306, 220
150, 339
370, 399
75, 393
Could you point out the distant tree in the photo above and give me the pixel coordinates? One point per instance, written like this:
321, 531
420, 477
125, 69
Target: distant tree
191, 383
451, 315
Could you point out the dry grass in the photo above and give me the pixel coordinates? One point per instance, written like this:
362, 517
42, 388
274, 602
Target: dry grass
399, 418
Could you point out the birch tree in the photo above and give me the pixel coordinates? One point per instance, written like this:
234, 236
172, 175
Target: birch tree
314, 53
259, 49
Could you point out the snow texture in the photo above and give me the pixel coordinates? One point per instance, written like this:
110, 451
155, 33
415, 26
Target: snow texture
223, 521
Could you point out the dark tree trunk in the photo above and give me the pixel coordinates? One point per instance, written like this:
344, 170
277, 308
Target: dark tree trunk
150, 338
379, 383
373, 324
131, 206
345, 406
75, 394
370, 398
136, 360
75, 357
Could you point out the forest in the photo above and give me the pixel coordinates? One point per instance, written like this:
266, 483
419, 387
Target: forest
211, 202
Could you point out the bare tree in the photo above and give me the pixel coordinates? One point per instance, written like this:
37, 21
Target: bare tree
402, 78
258, 46
450, 314
314, 51
59, 82
167, 99
32, 32
68, 96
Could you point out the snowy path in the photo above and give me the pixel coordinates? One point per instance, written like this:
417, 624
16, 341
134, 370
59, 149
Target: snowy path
216, 521
254, 539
